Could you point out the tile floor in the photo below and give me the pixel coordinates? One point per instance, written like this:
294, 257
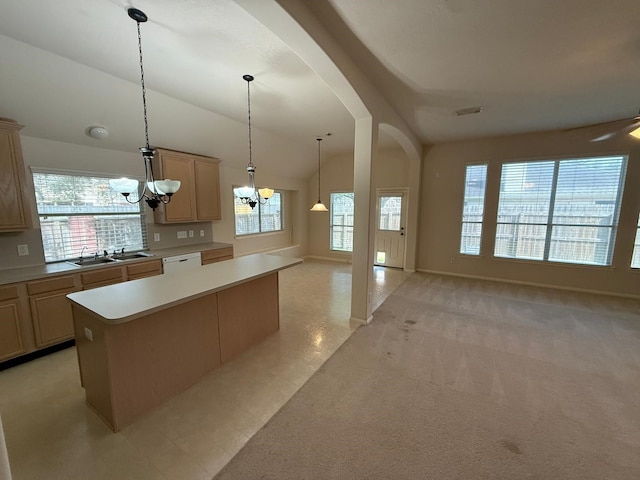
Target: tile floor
51, 434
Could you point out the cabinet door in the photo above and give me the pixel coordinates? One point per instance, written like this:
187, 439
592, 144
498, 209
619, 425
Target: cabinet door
12, 212
216, 255
52, 317
207, 183
10, 334
144, 269
181, 208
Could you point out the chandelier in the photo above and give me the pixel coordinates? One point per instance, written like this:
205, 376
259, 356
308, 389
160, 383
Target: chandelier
154, 192
249, 195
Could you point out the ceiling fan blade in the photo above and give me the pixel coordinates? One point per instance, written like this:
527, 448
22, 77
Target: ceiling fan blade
633, 124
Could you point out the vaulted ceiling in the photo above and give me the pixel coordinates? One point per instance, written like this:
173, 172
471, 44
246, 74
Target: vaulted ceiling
530, 65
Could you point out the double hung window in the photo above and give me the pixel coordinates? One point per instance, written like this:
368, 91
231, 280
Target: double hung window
80, 214
342, 222
261, 218
473, 209
635, 260
561, 211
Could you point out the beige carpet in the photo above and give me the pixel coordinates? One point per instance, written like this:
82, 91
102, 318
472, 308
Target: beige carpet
464, 379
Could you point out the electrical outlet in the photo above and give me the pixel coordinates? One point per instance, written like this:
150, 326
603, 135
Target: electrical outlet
156, 237
202, 233
182, 234
190, 233
88, 333
23, 250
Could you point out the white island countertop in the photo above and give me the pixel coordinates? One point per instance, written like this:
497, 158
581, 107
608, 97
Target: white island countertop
126, 301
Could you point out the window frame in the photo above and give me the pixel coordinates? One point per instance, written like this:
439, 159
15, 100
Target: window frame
258, 208
141, 215
342, 226
550, 213
481, 215
635, 255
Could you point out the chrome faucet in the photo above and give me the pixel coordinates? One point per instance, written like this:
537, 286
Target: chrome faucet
82, 252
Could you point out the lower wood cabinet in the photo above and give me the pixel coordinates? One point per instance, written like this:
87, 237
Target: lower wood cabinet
216, 255
101, 277
144, 269
37, 314
11, 344
50, 310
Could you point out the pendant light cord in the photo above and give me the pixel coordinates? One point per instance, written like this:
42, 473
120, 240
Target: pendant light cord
144, 90
319, 140
249, 116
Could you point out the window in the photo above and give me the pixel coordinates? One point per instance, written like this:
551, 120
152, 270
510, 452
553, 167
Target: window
342, 221
81, 214
261, 218
561, 211
635, 260
473, 209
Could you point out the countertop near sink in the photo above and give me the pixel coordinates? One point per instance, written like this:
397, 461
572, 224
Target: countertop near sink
23, 274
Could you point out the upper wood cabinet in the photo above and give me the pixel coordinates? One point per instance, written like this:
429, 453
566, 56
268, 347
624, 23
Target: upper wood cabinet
198, 199
13, 214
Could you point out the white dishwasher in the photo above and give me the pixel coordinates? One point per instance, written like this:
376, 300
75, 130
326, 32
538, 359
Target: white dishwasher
181, 262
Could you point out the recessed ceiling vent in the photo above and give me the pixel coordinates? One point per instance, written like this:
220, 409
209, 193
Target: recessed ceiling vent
469, 111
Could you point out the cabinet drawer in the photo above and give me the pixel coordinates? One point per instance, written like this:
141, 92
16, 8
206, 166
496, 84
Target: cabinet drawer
50, 285
216, 255
8, 292
144, 269
102, 276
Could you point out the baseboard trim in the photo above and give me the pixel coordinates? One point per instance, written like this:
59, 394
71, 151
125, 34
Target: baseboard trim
27, 357
532, 284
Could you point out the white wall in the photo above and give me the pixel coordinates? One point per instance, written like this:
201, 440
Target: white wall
65, 156
390, 171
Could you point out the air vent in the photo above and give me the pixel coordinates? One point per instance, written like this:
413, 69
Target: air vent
468, 111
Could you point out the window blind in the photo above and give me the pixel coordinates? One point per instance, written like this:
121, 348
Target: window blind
473, 209
341, 207
562, 211
81, 215
260, 219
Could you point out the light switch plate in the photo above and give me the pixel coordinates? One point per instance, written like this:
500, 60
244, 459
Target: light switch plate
182, 234
23, 250
156, 237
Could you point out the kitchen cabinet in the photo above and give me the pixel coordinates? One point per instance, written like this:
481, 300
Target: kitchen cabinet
216, 255
50, 310
144, 269
36, 314
101, 277
198, 199
11, 344
13, 213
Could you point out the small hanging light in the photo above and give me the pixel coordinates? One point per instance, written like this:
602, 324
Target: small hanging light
249, 195
154, 192
319, 206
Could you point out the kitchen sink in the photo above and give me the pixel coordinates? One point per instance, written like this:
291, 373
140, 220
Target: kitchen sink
91, 261
131, 255
87, 262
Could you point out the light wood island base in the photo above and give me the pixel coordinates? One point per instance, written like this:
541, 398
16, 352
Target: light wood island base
130, 367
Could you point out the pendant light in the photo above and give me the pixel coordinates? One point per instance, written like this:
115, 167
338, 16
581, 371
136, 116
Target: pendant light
249, 195
154, 192
319, 206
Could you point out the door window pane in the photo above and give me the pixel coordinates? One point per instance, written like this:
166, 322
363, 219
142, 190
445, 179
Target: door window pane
389, 213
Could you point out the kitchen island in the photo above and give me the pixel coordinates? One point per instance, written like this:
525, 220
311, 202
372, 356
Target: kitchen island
141, 342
